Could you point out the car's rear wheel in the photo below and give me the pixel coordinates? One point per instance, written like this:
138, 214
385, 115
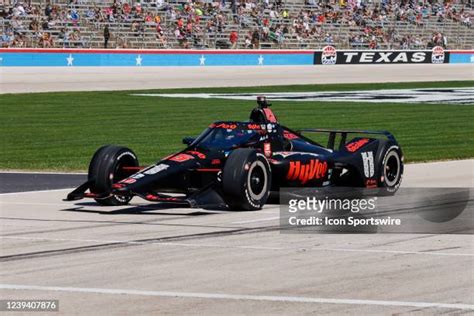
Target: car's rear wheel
108, 167
246, 180
390, 167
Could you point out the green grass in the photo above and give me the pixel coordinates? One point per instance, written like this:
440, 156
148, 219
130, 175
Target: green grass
61, 131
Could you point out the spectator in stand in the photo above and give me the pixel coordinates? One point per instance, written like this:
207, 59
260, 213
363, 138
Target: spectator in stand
233, 38
466, 20
34, 26
75, 38
90, 14
180, 36
160, 36
255, 39
159, 4
373, 43
46, 41
248, 42
106, 36
329, 39
367, 23
19, 41
48, 10
17, 24
7, 39
64, 37
18, 10
439, 39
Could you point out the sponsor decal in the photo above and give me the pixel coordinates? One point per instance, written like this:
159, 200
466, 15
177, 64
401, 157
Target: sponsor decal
355, 146
181, 158
128, 181
383, 57
271, 128
215, 162
267, 149
159, 198
224, 125
269, 115
371, 183
137, 176
127, 153
368, 161
437, 55
315, 169
328, 55
156, 169
253, 126
289, 135
197, 153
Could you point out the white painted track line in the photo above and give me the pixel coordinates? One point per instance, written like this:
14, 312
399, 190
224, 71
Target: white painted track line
201, 245
222, 296
257, 220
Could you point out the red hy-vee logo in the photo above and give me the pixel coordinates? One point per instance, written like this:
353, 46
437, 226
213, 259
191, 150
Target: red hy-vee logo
315, 169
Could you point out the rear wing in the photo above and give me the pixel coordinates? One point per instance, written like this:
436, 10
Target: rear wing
343, 132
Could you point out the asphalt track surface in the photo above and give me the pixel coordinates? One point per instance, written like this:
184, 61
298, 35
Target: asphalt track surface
158, 259
46, 79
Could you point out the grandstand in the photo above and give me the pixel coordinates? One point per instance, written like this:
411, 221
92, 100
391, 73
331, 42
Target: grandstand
267, 24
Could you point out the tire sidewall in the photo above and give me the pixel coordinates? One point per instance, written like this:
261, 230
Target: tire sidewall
103, 168
390, 150
253, 199
236, 180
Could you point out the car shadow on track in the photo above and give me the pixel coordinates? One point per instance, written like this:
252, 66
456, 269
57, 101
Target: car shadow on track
149, 209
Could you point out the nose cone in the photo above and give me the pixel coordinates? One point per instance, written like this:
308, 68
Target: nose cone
165, 174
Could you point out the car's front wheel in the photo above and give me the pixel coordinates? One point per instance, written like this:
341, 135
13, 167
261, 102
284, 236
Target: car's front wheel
246, 180
108, 166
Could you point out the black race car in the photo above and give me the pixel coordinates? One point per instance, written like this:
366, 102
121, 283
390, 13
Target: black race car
238, 164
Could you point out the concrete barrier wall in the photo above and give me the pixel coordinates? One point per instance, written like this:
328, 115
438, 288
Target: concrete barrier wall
11, 57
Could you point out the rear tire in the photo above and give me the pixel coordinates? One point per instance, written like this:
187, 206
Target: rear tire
106, 168
246, 180
390, 167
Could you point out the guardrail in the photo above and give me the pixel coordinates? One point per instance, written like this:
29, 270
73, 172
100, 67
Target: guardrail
13, 57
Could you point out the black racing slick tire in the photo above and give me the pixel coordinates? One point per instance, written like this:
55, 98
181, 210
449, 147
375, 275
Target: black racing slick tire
390, 166
106, 168
246, 180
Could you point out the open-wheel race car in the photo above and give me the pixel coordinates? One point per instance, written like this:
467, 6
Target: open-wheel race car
238, 164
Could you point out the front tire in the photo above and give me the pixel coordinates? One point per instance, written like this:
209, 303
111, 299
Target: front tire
246, 180
106, 168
